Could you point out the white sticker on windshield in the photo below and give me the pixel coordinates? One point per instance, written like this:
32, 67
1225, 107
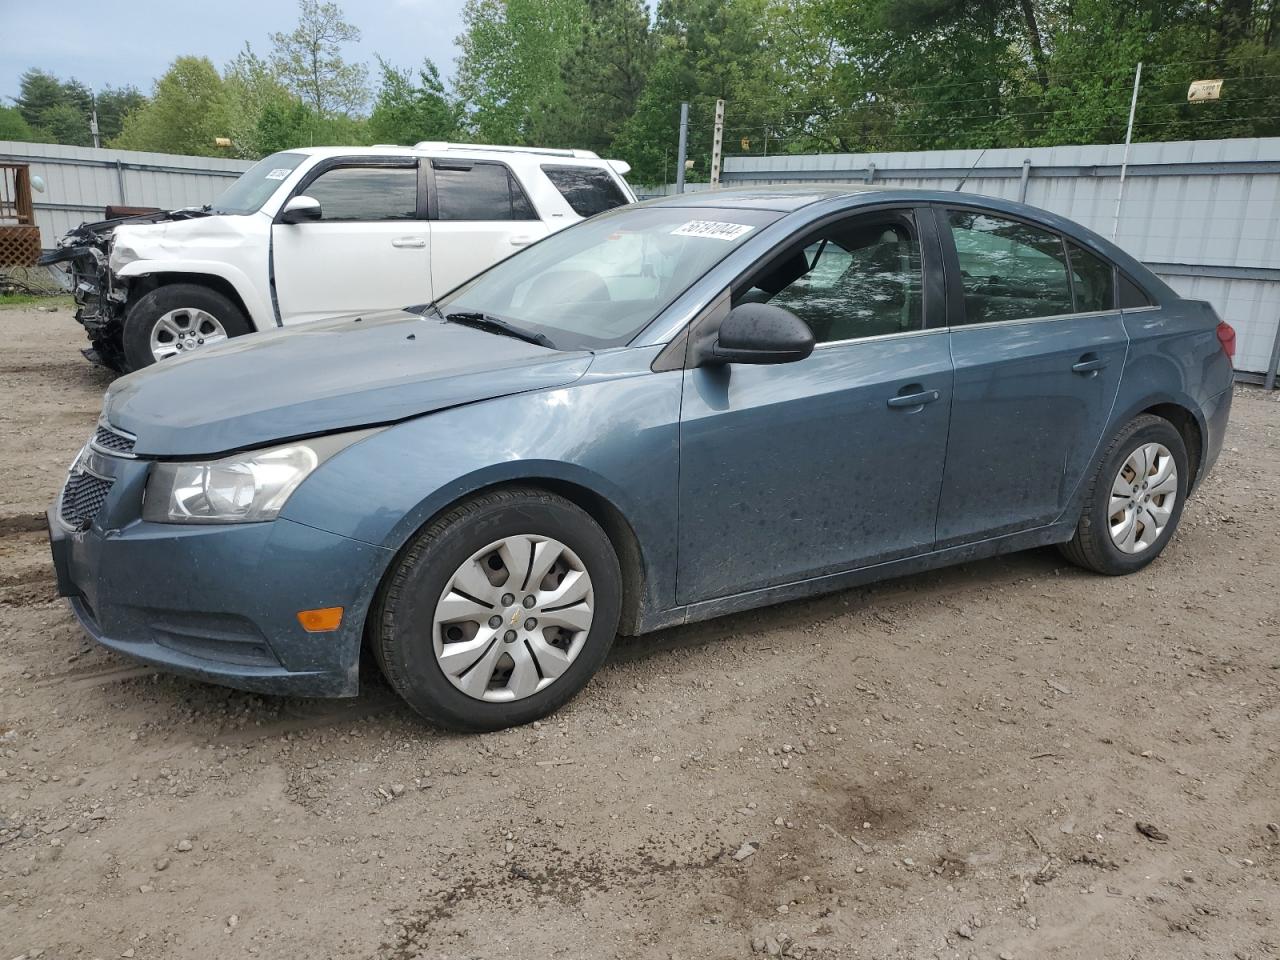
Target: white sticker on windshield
711, 229
279, 173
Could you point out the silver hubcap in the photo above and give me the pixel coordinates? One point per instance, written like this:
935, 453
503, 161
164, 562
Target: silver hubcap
513, 618
183, 330
1142, 497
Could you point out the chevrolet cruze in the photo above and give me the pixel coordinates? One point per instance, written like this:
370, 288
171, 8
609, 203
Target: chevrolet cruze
668, 412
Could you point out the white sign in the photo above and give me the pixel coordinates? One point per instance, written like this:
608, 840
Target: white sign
711, 229
279, 173
1201, 90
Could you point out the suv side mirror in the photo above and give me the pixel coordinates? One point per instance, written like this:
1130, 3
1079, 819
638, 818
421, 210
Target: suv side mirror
759, 333
300, 209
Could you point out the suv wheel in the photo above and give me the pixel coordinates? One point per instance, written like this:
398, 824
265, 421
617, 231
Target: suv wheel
1134, 500
178, 319
499, 611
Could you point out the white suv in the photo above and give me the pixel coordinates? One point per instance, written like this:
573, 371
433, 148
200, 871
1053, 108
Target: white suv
321, 232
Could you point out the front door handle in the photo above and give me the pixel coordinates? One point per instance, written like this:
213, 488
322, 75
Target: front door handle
1089, 363
914, 399
521, 241
416, 242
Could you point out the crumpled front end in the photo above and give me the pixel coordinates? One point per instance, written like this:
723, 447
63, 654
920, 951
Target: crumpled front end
102, 297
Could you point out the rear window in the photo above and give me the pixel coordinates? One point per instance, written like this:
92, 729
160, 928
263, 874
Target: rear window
479, 190
588, 190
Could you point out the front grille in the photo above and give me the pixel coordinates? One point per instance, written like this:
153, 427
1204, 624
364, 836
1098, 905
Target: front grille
82, 498
113, 441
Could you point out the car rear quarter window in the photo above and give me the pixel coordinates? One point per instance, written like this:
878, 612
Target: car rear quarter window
479, 190
366, 193
1092, 279
1132, 296
588, 190
1009, 270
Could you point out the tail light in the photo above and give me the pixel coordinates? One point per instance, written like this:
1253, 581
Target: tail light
1227, 337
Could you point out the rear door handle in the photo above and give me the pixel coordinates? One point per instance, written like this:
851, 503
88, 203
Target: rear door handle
409, 242
914, 399
1089, 363
521, 241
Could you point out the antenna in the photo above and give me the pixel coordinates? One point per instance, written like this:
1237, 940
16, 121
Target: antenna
965, 178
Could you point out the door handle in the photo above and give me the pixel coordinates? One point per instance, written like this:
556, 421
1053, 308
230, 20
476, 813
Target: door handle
1089, 363
914, 399
409, 242
520, 241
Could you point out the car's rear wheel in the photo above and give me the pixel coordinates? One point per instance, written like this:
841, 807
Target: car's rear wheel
1134, 500
178, 319
499, 611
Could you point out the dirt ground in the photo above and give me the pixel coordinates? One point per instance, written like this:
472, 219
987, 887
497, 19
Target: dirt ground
948, 765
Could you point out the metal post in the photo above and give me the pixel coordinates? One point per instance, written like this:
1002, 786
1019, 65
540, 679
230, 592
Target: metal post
716, 143
683, 148
1022, 186
1270, 381
93, 119
124, 198
1128, 137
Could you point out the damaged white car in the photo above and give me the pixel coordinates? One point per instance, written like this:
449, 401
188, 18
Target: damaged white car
320, 232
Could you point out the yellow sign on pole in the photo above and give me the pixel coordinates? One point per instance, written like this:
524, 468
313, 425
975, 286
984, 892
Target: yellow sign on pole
746, 143
1202, 90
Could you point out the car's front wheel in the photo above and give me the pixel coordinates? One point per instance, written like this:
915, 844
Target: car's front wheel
178, 319
1134, 500
499, 611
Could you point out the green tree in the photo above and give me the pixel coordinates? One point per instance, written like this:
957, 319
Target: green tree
604, 76
13, 126
56, 110
114, 104
64, 123
261, 108
406, 112
309, 60
188, 109
509, 73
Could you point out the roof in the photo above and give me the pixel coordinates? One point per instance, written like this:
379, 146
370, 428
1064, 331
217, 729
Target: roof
460, 150
782, 198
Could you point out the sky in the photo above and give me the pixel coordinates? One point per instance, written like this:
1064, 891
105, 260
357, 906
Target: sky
119, 42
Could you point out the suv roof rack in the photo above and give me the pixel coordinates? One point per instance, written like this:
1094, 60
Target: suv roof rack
495, 148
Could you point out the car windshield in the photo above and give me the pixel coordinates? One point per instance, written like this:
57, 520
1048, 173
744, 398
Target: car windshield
601, 282
256, 184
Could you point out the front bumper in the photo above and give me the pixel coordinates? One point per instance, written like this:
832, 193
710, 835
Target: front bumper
218, 602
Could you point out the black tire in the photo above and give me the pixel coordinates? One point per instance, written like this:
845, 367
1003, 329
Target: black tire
150, 307
1092, 546
402, 618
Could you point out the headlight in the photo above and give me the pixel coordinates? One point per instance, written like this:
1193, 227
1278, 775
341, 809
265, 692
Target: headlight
243, 488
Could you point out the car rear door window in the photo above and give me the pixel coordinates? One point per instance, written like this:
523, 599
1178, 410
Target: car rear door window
480, 190
366, 193
856, 278
1093, 281
588, 190
1009, 270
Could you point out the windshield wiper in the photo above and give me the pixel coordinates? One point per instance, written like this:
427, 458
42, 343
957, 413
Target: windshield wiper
485, 321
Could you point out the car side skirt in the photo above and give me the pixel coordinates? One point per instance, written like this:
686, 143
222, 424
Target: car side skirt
1058, 532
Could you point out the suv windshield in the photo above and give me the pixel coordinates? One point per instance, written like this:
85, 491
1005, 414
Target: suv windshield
601, 282
256, 184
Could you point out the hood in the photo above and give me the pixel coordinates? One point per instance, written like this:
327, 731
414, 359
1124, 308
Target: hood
324, 377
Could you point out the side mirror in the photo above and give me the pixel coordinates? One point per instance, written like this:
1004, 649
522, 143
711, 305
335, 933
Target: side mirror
759, 333
300, 210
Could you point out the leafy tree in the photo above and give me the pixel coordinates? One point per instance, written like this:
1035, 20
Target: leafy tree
309, 60
261, 107
406, 112
509, 73
56, 110
604, 76
64, 123
187, 111
13, 126
114, 104
38, 91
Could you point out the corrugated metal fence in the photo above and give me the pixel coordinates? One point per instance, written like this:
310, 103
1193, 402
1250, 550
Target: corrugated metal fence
1204, 215
81, 181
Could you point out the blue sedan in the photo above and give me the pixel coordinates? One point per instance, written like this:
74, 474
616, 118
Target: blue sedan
669, 412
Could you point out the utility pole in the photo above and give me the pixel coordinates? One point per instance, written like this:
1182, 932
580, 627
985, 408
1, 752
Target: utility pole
683, 148
93, 118
1128, 136
717, 143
